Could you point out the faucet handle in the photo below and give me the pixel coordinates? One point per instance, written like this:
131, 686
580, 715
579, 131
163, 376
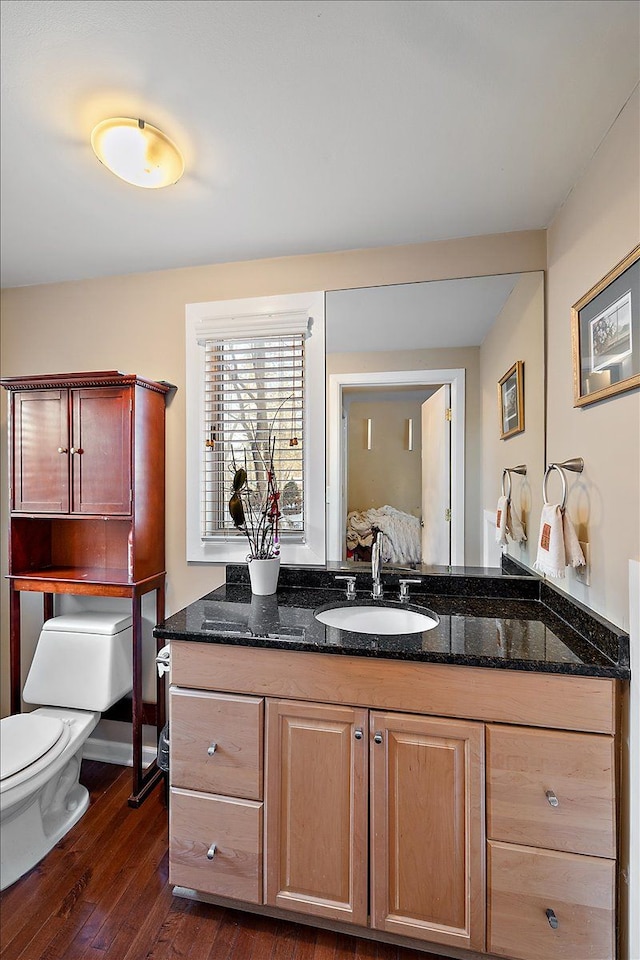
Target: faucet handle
404, 587
351, 585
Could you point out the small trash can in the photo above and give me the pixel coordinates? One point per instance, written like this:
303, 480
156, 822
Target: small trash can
163, 760
163, 749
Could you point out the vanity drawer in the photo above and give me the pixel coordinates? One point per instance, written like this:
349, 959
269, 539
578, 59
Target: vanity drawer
216, 743
525, 883
197, 822
577, 770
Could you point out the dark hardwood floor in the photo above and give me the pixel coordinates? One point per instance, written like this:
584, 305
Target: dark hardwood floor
103, 894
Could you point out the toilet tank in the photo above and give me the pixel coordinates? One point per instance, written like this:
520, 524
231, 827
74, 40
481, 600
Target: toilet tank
82, 660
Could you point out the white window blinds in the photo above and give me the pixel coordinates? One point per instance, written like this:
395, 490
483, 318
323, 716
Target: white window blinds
253, 391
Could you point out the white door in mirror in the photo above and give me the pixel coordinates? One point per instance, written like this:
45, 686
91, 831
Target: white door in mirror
376, 619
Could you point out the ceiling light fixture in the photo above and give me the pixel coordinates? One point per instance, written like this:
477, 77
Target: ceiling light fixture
137, 152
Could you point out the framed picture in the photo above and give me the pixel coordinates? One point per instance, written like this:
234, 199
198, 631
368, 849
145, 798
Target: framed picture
605, 334
511, 401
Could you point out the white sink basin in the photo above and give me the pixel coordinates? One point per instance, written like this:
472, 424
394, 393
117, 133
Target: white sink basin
376, 619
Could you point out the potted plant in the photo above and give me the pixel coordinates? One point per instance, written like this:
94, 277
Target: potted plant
255, 510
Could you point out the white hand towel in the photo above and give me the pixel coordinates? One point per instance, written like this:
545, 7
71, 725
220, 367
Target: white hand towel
514, 525
501, 521
574, 556
551, 554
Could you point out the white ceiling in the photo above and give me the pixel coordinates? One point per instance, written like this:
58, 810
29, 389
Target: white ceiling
307, 125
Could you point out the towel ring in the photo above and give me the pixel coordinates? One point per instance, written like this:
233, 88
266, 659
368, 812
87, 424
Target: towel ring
521, 469
576, 465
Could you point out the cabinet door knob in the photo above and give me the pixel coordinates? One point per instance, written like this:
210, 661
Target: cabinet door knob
62, 450
212, 749
551, 797
554, 923
211, 852
377, 737
358, 733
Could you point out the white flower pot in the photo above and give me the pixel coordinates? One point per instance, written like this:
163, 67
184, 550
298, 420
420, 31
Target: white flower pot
264, 575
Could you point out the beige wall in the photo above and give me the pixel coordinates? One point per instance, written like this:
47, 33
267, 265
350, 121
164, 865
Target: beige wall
517, 334
136, 324
598, 225
388, 473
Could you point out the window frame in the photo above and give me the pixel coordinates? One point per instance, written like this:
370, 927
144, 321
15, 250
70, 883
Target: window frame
262, 316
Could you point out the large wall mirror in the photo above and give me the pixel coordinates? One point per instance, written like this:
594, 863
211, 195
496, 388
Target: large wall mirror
413, 420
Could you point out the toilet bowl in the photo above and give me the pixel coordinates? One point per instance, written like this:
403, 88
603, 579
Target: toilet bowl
82, 665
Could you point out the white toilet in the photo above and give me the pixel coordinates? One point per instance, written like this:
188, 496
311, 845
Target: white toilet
82, 666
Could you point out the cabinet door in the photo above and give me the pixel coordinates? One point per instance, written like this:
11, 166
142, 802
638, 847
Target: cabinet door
427, 829
40, 452
316, 810
101, 450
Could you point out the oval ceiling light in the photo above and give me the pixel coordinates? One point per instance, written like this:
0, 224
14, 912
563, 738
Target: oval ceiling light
137, 152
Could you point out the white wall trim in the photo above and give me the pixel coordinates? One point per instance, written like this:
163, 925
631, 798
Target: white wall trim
255, 310
115, 751
336, 491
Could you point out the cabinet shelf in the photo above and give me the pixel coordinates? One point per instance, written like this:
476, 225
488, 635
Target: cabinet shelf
97, 576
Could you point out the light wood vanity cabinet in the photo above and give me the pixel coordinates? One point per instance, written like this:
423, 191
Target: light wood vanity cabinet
374, 810
551, 824
215, 813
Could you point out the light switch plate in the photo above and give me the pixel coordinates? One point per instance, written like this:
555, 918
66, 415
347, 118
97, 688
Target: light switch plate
583, 574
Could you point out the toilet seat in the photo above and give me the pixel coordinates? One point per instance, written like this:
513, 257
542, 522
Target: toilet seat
29, 742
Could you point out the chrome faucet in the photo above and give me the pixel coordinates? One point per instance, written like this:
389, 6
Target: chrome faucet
376, 564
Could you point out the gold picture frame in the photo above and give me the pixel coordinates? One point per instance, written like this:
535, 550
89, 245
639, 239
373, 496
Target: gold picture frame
605, 334
511, 401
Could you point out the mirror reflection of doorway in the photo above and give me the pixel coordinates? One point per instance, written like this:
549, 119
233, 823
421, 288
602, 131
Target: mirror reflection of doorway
396, 446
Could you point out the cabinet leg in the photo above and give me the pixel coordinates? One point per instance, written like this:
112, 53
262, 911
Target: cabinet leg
14, 650
47, 606
136, 697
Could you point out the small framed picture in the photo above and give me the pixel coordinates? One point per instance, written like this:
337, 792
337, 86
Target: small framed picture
605, 334
511, 401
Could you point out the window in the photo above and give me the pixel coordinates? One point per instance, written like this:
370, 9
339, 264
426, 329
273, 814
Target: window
255, 370
253, 399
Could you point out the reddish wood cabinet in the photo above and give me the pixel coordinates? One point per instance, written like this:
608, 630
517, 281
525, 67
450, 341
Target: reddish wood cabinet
86, 478
71, 451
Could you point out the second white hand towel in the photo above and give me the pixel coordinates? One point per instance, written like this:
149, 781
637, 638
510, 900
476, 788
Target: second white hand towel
515, 528
551, 557
501, 521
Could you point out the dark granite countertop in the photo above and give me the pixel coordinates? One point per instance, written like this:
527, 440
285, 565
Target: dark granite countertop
477, 628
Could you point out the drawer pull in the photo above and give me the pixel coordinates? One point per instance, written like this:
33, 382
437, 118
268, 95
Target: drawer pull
553, 920
211, 852
551, 797
377, 738
62, 450
358, 733
212, 749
